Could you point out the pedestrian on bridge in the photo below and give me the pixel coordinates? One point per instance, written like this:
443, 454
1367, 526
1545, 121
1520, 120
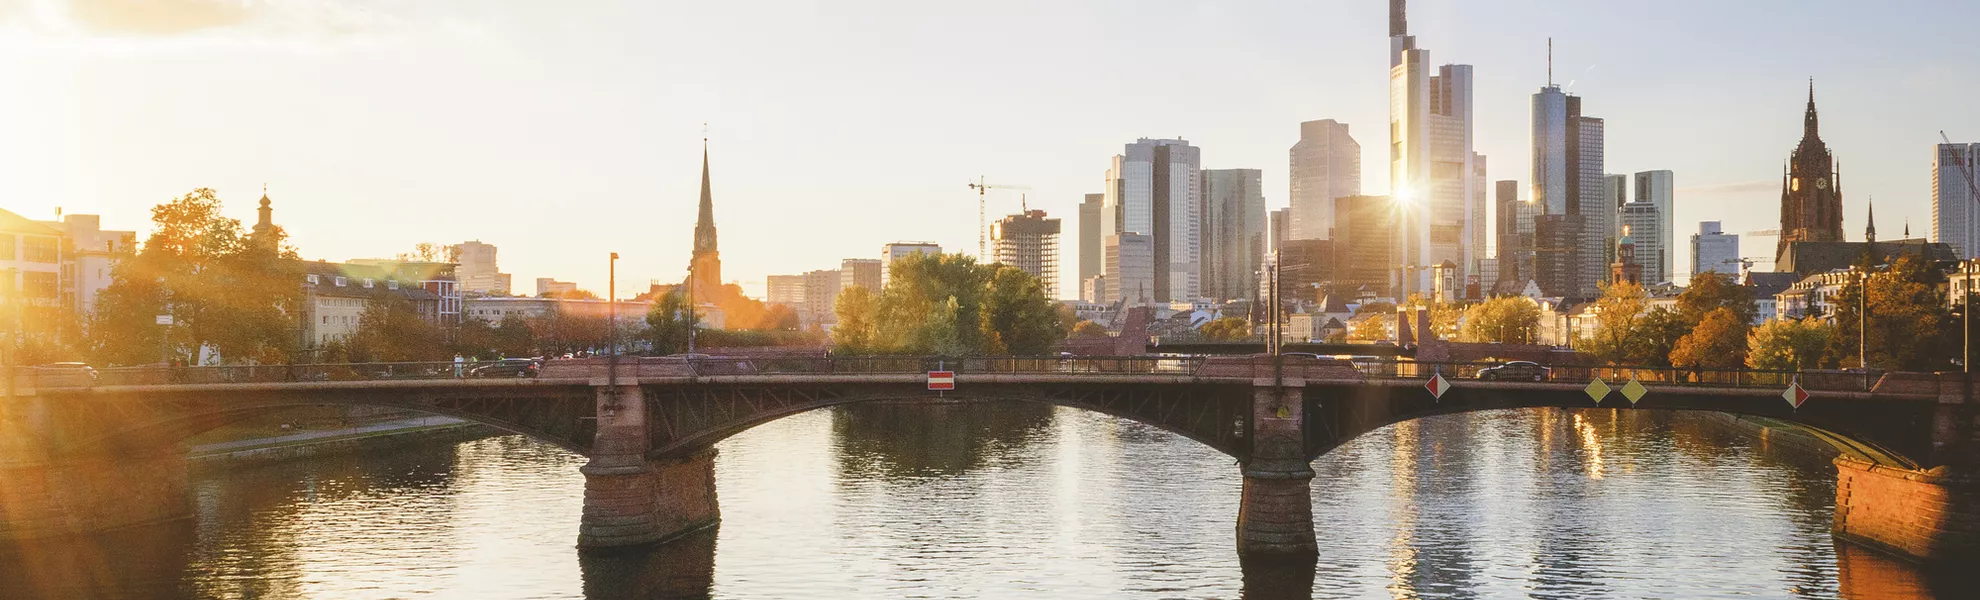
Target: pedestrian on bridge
458, 363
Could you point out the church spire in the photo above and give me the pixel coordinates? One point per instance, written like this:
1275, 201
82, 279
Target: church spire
1870, 223
704, 223
1809, 128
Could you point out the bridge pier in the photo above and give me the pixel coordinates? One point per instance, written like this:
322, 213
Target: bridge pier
80, 495
630, 500
1932, 515
1275, 508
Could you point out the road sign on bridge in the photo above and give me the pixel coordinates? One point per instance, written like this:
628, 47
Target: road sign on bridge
941, 381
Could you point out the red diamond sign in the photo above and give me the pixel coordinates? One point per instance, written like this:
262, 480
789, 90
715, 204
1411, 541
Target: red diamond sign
1795, 395
1437, 386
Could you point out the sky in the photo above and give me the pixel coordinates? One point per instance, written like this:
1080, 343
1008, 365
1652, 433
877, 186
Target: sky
564, 131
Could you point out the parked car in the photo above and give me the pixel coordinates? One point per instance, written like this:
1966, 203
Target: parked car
1518, 370
65, 374
509, 367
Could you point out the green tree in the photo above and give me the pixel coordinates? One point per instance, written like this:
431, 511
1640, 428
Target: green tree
235, 293
1088, 330
1657, 333
1227, 329
1507, 320
669, 323
1617, 314
949, 305
1019, 319
1719, 342
1909, 326
1788, 344
392, 330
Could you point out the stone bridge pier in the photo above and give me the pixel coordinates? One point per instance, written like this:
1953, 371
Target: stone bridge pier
1275, 508
52, 488
1929, 514
631, 499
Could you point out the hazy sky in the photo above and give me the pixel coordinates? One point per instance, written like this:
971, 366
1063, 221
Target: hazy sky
562, 131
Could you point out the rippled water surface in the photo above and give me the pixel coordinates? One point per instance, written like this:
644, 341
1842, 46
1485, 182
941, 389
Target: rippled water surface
1016, 500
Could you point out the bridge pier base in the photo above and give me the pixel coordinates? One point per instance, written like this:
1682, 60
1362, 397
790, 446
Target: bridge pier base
90, 494
1931, 516
630, 500
1275, 509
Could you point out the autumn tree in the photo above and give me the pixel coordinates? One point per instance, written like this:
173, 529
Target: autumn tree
392, 330
1709, 291
431, 252
1507, 320
1370, 322
669, 323
1618, 313
1226, 329
1719, 342
1908, 327
1788, 344
855, 331
1657, 333
1088, 330
1443, 316
227, 290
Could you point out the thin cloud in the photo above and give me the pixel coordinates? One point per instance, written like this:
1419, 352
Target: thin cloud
1742, 187
150, 23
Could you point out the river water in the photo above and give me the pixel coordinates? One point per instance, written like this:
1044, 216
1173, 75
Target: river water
1012, 500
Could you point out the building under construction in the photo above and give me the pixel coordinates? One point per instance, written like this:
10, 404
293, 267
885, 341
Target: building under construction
1030, 241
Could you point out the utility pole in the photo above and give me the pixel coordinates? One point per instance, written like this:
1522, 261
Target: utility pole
612, 321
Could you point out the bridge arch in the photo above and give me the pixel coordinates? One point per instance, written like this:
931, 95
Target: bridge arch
684, 420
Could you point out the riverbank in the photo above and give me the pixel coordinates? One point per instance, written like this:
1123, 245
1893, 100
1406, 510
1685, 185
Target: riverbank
1778, 437
305, 444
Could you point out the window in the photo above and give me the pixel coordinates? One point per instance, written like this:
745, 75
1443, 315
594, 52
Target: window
40, 249
39, 284
313, 279
6, 246
392, 285
326, 319
367, 283
341, 282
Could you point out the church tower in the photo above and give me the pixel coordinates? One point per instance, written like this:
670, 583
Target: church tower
264, 227
705, 270
1811, 196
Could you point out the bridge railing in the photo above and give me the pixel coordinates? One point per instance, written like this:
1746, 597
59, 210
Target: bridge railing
159, 375
916, 365
1616, 376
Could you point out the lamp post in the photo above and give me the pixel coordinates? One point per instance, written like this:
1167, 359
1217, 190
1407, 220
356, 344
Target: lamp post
1863, 323
612, 320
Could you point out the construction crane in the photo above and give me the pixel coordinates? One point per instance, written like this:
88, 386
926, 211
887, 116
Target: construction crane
982, 214
1764, 233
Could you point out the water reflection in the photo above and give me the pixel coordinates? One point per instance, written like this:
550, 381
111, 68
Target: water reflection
1011, 499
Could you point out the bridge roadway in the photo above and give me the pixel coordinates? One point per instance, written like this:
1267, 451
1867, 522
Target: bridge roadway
77, 456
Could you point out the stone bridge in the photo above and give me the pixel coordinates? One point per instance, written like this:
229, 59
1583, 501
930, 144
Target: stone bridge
82, 456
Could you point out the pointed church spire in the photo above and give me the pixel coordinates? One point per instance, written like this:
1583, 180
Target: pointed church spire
705, 270
1810, 130
704, 223
1870, 223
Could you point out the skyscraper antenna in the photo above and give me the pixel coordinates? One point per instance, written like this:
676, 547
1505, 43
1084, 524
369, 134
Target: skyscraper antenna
1550, 62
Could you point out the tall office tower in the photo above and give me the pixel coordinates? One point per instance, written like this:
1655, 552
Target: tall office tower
1515, 229
787, 290
1090, 236
1365, 244
1954, 220
1615, 191
1154, 189
1713, 250
1556, 253
1567, 181
478, 272
1326, 164
1029, 241
1432, 166
1659, 188
1130, 269
1645, 226
1811, 189
1233, 232
1281, 223
862, 272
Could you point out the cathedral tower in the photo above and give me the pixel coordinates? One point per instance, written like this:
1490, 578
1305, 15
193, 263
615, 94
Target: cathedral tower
705, 270
1811, 196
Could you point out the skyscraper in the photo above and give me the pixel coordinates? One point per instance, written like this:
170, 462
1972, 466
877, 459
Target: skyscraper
1090, 236
1365, 243
1326, 164
1515, 233
1954, 218
862, 272
1660, 188
1281, 224
478, 271
1029, 241
1432, 166
1713, 250
1644, 226
1567, 181
1233, 232
1154, 189
1811, 190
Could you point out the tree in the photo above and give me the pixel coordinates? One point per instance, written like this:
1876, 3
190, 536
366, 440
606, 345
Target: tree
1909, 326
1087, 330
669, 323
949, 305
1227, 329
571, 295
392, 330
1719, 342
1709, 291
1617, 314
1507, 320
1788, 344
1443, 315
513, 337
1370, 322
431, 252
228, 291
1018, 318
1657, 333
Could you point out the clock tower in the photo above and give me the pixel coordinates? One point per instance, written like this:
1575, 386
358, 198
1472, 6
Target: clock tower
1811, 197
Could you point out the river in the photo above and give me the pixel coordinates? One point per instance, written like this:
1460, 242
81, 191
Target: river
1001, 500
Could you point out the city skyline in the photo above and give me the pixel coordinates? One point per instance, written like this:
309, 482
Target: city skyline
609, 153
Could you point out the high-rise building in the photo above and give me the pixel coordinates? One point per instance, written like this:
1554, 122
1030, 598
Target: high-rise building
1233, 232
478, 272
1660, 188
1557, 253
1154, 189
1515, 229
1091, 259
1713, 250
1326, 164
899, 250
705, 270
862, 272
1365, 243
1811, 189
1615, 191
1281, 224
1954, 218
1029, 241
1568, 181
787, 290
1432, 166
1644, 226
821, 298
1130, 269
546, 286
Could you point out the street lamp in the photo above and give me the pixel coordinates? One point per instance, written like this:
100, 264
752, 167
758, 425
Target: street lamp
612, 319
1863, 322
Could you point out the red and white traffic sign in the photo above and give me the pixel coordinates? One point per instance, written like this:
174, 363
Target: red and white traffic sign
1437, 386
941, 381
1795, 395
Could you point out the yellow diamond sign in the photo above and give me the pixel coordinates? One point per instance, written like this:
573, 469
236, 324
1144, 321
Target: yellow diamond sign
1634, 391
1597, 389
